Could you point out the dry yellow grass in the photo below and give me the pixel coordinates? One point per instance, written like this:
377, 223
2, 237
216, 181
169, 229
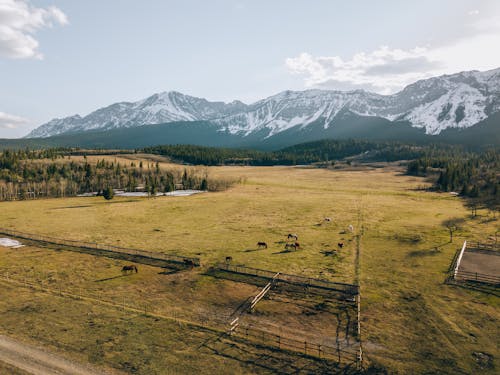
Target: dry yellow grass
411, 321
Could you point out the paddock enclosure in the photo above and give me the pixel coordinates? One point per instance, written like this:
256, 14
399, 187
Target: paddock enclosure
478, 262
315, 306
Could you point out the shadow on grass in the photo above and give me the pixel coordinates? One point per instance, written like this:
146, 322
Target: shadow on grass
110, 278
278, 361
427, 252
250, 250
63, 208
327, 253
476, 286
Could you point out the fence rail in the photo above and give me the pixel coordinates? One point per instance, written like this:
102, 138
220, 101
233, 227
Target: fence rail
484, 246
474, 276
172, 258
346, 354
342, 354
349, 289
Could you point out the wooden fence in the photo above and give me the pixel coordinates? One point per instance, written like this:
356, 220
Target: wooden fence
341, 354
349, 290
461, 275
345, 354
81, 245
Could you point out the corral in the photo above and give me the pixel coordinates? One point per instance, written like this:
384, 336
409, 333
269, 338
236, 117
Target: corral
478, 262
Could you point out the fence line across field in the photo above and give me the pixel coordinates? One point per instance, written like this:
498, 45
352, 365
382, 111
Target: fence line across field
291, 279
103, 247
252, 334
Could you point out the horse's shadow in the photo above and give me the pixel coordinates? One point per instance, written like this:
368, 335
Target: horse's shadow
327, 253
109, 278
250, 250
284, 251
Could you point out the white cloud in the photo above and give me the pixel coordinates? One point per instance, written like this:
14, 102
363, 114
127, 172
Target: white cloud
19, 21
474, 12
383, 70
387, 70
8, 121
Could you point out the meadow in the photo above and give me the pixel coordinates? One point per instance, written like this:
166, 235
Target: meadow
399, 253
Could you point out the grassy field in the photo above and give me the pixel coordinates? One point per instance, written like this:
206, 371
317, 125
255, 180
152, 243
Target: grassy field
412, 322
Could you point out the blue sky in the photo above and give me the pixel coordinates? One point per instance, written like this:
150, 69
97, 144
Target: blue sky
59, 58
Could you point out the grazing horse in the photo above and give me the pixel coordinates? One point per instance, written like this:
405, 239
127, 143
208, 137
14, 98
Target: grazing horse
127, 269
188, 263
340, 245
229, 260
293, 236
262, 244
294, 246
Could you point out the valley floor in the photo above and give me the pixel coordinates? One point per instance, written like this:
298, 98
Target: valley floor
399, 253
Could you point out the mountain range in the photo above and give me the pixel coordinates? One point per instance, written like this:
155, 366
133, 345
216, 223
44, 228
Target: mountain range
426, 109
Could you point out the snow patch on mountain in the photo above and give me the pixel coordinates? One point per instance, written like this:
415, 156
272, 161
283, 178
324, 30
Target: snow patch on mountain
451, 101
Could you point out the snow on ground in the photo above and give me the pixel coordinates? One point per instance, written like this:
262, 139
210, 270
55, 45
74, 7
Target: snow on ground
121, 193
7, 242
175, 193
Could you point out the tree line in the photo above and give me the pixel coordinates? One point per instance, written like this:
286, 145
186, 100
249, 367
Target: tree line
473, 175
47, 173
305, 153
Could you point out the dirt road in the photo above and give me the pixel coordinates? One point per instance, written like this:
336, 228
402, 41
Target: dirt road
40, 362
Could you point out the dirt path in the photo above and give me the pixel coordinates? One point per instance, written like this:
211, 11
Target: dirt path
40, 362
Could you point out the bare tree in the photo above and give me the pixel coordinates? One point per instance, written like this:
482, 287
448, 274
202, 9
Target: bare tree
453, 225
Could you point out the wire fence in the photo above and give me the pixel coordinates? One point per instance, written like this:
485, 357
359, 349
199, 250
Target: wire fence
350, 290
82, 245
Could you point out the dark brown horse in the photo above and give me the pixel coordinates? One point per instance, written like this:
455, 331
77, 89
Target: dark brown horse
262, 244
294, 246
129, 269
340, 245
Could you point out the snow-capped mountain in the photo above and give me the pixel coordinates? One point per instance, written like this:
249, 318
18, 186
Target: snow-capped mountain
156, 109
451, 101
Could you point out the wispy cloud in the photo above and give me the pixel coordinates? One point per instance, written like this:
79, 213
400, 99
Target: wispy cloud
8, 121
382, 70
386, 70
19, 21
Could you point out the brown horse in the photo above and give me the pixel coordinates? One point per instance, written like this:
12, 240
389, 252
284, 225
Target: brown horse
340, 245
129, 269
294, 246
229, 260
262, 244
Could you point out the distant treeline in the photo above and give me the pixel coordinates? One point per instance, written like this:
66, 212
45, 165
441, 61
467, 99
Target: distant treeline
474, 175
305, 153
33, 174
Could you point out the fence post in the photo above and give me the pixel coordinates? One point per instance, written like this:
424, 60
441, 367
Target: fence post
305, 347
